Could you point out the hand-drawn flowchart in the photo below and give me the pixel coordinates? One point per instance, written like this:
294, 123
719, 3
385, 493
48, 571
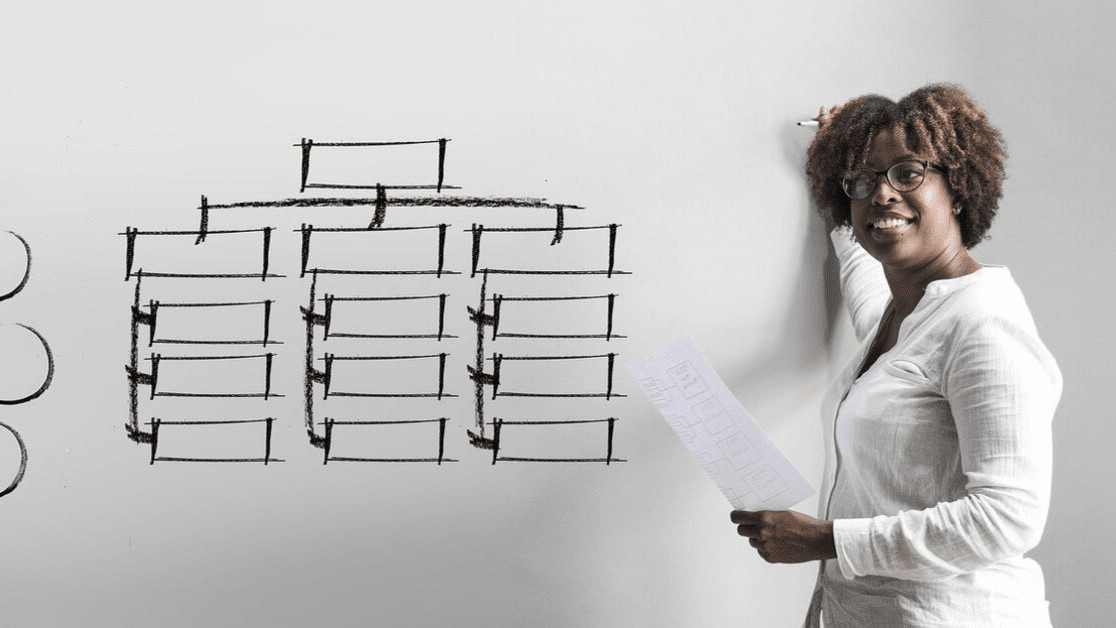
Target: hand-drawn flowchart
405, 306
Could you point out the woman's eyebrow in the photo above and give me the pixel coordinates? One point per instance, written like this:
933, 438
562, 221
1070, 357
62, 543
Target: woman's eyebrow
900, 159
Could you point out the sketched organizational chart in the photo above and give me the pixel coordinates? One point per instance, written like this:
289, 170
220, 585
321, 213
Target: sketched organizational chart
375, 306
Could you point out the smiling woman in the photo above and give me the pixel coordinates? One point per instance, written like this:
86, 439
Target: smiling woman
938, 440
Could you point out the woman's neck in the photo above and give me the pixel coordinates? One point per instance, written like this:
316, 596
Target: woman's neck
909, 284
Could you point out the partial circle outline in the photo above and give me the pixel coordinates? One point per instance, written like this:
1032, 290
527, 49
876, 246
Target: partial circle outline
22, 462
26, 271
46, 380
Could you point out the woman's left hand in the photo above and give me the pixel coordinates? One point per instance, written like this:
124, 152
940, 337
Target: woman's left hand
785, 536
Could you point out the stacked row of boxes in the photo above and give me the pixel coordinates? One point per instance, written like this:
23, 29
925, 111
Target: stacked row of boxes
413, 327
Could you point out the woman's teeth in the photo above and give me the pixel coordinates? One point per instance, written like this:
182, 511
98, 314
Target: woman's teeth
891, 222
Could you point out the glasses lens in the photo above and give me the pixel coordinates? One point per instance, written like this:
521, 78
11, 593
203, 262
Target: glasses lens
859, 184
906, 175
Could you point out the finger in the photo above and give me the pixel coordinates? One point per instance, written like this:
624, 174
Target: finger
755, 543
749, 531
744, 516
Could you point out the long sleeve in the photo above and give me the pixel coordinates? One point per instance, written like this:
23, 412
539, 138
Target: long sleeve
1002, 387
862, 283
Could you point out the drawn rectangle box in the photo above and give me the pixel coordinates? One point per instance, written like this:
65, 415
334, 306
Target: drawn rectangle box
528, 250
587, 440
554, 376
402, 250
554, 317
357, 165
385, 376
385, 317
420, 440
211, 376
220, 254
247, 440
210, 323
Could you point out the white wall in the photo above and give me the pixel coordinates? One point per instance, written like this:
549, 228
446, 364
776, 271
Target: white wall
672, 118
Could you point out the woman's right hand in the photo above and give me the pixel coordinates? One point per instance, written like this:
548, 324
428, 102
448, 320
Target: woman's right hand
825, 115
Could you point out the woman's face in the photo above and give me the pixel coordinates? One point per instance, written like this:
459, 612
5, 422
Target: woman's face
908, 232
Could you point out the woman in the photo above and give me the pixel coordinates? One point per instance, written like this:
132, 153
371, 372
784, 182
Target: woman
938, 437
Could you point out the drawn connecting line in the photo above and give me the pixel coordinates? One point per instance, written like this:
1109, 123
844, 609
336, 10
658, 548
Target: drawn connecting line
382, 202
233, 249
233, 432
481, 319
331, 426
498, 426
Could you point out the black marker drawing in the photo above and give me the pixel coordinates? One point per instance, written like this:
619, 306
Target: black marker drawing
434, 363
214, 376
48, 377
331, 425
307, 144
262, 258
387, 333
526, 324
159, 428
602, 264
26, 269
182, 326
367, 240
258, 368
573, 364
22, 460
382, 323
499, 425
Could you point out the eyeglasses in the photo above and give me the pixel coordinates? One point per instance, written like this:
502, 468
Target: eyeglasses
904, 176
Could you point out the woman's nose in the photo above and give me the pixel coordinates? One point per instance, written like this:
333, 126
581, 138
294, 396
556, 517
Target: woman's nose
883, 194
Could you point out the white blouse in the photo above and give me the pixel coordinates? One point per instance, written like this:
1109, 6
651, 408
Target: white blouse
938, 457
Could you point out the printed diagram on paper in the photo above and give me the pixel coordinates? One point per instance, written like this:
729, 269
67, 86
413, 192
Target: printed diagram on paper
737, 455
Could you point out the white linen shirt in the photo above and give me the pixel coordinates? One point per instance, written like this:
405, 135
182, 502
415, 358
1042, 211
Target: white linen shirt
938, 457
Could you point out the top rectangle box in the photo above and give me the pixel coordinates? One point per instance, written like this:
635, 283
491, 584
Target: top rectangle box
406, 165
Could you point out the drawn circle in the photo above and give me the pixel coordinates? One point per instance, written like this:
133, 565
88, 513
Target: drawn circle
26, 364
4, 454
15, 264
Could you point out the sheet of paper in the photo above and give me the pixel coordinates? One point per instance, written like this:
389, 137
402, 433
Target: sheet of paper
737, 455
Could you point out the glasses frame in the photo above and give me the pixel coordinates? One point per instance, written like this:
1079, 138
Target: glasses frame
926, 165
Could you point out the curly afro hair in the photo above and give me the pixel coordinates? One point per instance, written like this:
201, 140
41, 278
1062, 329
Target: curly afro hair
942, 124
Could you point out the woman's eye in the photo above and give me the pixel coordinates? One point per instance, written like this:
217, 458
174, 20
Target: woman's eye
908, 174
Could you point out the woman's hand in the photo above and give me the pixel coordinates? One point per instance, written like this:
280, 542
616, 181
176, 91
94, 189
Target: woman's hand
825, 115
785, 536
